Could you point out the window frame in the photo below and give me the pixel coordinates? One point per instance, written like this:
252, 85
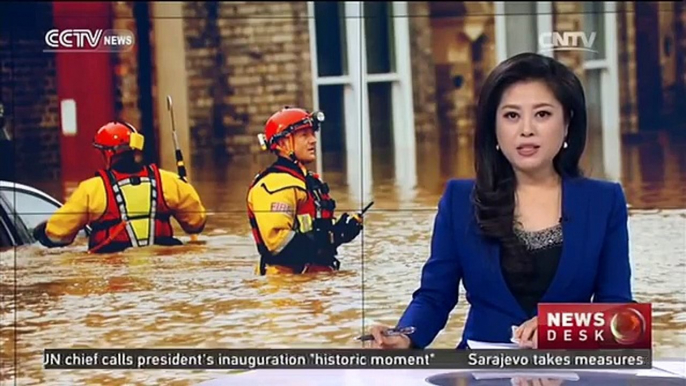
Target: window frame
356, 99
12, 188
12, 224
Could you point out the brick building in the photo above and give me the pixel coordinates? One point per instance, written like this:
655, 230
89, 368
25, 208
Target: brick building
385, 82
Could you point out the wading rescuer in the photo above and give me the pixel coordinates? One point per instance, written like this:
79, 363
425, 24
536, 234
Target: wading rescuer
128, 203
291, 213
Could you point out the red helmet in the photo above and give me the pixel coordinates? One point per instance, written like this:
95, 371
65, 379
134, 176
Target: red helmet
285, 122
116, 138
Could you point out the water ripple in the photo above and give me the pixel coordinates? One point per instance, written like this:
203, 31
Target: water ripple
206, 295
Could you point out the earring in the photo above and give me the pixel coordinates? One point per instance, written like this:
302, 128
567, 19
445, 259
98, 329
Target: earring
497, 147
564, 145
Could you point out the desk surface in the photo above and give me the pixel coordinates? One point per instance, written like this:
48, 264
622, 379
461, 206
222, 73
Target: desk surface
665, 370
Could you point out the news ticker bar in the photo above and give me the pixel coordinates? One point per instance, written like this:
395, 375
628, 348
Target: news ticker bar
199, 359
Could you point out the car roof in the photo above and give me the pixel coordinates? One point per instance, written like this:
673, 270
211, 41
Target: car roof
15, 185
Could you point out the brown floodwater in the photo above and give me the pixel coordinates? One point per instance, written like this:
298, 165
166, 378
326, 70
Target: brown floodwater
206, 295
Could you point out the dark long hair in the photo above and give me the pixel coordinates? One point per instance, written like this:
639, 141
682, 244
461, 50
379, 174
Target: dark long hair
494, 192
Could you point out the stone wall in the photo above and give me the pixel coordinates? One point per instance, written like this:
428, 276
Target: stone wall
481, 60
680, 48
568, 16
29, 90
29, 86
681, 39
126, 67
245, 61
423, 72
129, 99
462, 40
626, 32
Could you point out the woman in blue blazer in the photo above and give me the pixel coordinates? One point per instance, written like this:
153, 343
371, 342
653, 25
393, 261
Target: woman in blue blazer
529, 228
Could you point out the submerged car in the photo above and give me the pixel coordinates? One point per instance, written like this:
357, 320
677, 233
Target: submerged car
22, 208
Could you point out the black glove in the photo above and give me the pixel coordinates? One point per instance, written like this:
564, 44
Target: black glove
346, 229
40, 236
303, 249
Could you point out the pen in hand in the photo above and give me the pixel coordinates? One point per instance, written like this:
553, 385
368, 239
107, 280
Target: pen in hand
388, 332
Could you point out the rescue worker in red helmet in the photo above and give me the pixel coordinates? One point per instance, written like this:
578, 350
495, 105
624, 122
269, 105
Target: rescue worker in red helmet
290, 211
127, 203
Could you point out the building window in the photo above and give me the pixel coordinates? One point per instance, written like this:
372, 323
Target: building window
379, 39
594, 25
362, 81
602, 88
378, 26
519, 24
522, 29
381, 114
331, 53
332, 101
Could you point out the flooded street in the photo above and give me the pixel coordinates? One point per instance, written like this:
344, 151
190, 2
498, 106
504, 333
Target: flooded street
206, 295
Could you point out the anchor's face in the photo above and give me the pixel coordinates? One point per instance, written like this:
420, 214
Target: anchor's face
530, 126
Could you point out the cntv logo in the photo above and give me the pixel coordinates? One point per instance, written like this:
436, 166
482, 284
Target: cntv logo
566, 41
594, 326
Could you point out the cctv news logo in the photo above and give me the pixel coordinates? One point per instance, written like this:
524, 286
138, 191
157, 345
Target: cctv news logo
85, 40
594, 326
566, 41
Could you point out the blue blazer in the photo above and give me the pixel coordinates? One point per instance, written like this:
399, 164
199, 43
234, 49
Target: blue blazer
594, 264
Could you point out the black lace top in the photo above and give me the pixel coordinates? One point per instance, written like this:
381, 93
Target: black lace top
544, 248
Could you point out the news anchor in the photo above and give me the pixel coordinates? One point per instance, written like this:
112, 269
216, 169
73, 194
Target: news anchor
530, 228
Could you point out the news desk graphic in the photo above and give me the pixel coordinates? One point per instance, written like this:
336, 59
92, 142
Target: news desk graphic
591, 326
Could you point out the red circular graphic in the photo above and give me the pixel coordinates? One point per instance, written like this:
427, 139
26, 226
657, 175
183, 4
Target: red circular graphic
627, 326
